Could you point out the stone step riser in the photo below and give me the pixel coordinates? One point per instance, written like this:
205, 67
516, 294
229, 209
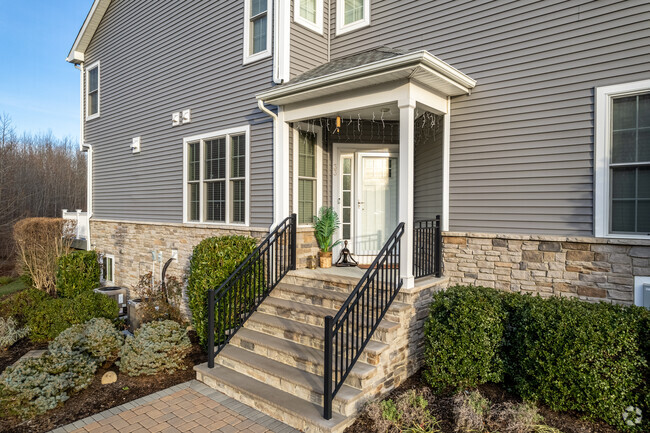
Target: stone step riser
319, 284
277, 413
283, 384
310, 341
292, 360
380, 334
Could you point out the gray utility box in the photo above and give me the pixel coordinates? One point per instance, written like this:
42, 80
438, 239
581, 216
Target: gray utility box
135, 314
117, 293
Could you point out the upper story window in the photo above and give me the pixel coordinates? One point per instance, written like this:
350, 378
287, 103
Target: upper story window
351, 15
309, 13
623, 160
257, 29
92, 91
216, 168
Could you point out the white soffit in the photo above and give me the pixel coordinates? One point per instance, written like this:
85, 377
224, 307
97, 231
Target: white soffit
78, 50
420, 66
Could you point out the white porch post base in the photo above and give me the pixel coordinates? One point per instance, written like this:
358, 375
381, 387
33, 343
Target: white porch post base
406, 188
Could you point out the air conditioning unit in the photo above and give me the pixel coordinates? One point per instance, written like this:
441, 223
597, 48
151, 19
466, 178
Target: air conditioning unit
117, 293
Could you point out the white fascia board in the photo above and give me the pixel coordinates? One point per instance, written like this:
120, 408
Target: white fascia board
85, 35
412, 59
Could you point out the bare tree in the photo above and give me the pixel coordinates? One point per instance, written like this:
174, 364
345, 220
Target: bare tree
39, 176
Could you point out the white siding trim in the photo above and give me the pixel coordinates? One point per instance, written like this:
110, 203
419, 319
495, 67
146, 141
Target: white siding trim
446, 147
250, 58
602, 135
99, 91
340, 12
319, 166
282, 41
201, 137
298, 19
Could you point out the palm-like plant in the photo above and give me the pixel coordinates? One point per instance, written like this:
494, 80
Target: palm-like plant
325, 224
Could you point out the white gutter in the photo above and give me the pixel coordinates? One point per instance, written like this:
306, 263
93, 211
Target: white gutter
412, 59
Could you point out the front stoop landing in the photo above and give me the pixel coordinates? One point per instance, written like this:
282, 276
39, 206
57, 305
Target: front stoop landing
275, 362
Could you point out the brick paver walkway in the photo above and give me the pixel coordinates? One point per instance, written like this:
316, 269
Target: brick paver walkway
188, 407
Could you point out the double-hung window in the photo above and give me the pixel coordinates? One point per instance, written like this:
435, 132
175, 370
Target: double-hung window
257, 29
623, 160
352, 15
216, 167
309, 13
92, 91
306, 177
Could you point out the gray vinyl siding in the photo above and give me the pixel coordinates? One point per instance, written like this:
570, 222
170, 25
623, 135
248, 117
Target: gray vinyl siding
522, 144
156, 60
427, 196
308, 48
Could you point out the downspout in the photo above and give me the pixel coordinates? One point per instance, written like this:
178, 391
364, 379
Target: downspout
89, 151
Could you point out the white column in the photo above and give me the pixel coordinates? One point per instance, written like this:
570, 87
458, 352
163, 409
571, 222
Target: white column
281, 162
406, 188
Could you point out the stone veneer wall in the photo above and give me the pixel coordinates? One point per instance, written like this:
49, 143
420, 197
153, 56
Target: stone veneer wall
306, 249
131, 243
593, 269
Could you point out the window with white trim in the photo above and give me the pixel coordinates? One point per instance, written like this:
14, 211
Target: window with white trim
92, 91
352, 15
623, 160
257, 29
306, 177
108, 269
216, 175
309, 13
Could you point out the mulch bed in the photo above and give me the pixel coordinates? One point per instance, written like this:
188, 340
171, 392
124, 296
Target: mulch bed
97, 397
442, 408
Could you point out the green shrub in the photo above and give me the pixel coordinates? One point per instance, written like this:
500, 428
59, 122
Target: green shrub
88, 305
76, 273
10, 332
21, 305
156, 347
36, 385
463, 338
5, 280
212, 262
52, 316
97, 338
573, 355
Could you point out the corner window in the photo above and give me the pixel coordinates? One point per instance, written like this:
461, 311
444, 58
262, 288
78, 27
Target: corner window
623, 160
257, 29
309, 13
108, 269
216, 167
352, 15
92, 91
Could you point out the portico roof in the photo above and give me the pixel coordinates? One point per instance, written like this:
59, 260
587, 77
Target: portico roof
371, 68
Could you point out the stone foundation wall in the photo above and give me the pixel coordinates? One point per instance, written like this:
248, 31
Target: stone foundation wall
306, 249
592, 269
131, 243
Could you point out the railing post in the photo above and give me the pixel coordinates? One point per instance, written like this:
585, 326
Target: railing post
211, 320
327, 373
437, 254
294, 234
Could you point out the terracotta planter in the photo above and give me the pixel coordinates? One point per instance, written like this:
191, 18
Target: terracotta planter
325, 259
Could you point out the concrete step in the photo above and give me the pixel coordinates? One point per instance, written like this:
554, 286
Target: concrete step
322, 297
294, 411
315, 315
308, 335
289, 379
297, 355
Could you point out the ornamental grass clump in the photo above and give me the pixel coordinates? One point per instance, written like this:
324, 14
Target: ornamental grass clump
156, 347
36, 385
10, 332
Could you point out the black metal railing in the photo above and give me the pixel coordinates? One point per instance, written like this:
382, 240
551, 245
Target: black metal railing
238, 297
348, 333
427, 248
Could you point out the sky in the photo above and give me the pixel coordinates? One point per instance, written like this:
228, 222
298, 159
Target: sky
39, 90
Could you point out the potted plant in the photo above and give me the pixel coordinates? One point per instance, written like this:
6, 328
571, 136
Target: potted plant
325, 224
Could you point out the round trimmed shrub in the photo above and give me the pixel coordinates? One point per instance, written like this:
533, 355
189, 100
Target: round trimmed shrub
156, 347
88, 305
212, 262
20, 305
77, 272
97, 338
463, 338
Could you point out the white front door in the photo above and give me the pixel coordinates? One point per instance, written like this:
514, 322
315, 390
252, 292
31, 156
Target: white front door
376, 207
